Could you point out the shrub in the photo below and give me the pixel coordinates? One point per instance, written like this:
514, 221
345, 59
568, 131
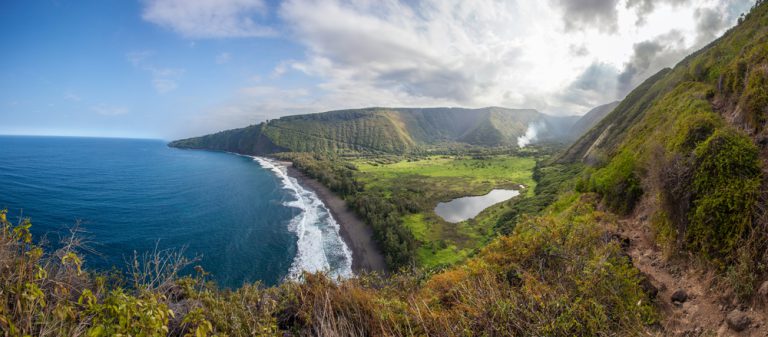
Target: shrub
618, 183
693, 130
725, 186
754, 100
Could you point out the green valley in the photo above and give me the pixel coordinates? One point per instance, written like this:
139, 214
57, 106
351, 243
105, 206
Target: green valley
646, 217
442, 178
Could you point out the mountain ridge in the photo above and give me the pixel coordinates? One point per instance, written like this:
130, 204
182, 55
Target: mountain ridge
386, 130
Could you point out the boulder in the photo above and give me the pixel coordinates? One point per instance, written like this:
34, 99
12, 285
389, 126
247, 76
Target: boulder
514, 278
763, 290
647, 285
679, 296
738, 320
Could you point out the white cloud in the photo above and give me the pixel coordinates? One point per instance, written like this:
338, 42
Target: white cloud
164, 79
280, 69
519, 54
201, 19
136, 58
72, 97
440, 52
273, 92
108, 110
162, 85
485, 52
223, 58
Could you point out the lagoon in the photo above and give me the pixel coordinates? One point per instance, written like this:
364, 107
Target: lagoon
465, 208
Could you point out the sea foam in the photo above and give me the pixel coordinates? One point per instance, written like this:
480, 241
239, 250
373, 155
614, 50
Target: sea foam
320, 246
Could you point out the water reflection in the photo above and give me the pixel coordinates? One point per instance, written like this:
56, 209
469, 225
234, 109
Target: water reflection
458, 210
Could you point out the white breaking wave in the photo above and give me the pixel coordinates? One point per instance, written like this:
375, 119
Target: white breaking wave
320, 246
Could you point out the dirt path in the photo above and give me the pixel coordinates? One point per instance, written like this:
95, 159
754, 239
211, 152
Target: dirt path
705, 311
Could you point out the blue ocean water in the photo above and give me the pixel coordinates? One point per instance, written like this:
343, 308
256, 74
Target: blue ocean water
242, 218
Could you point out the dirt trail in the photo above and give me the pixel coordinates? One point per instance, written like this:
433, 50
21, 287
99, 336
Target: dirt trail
705, 311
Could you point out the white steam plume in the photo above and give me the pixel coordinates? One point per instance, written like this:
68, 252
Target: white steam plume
530, 135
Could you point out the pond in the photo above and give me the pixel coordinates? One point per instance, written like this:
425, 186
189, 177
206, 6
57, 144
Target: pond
460, 209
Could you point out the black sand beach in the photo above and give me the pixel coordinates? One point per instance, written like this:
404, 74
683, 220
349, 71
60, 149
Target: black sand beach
366, 256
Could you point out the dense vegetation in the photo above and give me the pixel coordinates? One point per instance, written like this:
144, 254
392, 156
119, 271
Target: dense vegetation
248, 140
686, 150
397, 195
551, 180
587, 287
385, 131
426, 181
688, 143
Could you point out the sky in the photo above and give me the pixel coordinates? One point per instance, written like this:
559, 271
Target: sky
178, 68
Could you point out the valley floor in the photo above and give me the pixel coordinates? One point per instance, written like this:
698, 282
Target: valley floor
435, 179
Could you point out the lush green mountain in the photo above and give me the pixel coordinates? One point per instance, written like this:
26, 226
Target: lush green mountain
385, 130
590, 119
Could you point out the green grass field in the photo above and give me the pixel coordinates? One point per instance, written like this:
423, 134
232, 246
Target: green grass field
442, 178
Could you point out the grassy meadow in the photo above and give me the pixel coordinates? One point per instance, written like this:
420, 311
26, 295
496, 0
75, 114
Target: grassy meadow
442, 178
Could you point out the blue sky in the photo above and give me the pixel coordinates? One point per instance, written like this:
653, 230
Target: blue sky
177, 68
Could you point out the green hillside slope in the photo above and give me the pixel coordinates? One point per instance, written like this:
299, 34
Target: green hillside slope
385, 130
690, 145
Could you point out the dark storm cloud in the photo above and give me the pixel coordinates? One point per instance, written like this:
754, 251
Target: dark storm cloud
581, 14
595, 85
709, 23
641, 60
598, 77
651, 56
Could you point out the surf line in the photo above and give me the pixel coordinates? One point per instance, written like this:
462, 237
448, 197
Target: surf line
319, 246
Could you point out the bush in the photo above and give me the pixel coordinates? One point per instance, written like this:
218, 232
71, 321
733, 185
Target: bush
725, 186
754, 100
618, 183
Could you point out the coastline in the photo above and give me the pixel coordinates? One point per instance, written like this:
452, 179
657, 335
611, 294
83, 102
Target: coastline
366, 256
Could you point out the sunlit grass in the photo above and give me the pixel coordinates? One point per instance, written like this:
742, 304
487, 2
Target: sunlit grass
442, 178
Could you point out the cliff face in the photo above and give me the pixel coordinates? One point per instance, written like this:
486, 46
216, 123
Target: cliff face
249, 140
385, 130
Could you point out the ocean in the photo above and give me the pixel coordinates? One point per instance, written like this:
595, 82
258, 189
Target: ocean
244, 217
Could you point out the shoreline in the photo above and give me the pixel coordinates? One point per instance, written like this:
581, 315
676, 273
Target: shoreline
366, 255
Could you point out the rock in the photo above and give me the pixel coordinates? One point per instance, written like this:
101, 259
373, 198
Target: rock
763, 290
623, 241
647, 285
679, 296
738, 320
514, 279
181, 309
